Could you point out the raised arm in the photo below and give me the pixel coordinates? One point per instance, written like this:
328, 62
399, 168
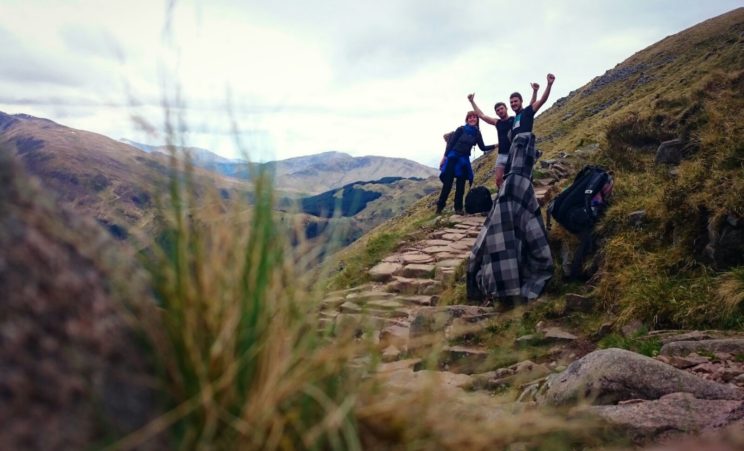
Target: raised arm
535, 88
536, 106
490, 120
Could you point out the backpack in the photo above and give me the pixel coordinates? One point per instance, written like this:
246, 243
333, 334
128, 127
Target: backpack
579, 207
478, 200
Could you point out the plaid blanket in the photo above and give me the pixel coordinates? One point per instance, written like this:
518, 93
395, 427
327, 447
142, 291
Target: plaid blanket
511, 256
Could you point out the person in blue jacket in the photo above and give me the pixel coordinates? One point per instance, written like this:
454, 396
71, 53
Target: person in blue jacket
455, 165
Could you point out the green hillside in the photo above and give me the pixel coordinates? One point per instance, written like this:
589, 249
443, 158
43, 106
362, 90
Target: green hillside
682, 264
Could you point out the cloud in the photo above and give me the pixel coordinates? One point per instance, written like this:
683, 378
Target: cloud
91, 40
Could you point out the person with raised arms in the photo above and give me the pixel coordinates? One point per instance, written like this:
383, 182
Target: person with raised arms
511, 260
503, 123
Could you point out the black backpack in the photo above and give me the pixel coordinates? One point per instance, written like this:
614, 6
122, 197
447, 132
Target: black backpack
576, 208
478, 200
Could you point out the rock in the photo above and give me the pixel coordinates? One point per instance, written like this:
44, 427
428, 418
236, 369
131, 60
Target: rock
431, 250
463, 359
669, 152
683, 362
416, 257
453, 236
672, 414
417, 270
74, 374
632, 329
611, 375
384, 304
446, 276
725, 248
432, 320
394, 335
554, 334
729, 345
515, 375
429, 243
418, 300
636, 218
390, 354
363, 297
604, 330
695, 335
413, 286
382, 272
578, 303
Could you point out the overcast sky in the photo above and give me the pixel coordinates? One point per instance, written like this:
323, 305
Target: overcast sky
301, 77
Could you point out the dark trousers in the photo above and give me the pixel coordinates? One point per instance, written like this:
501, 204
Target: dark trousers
447, 181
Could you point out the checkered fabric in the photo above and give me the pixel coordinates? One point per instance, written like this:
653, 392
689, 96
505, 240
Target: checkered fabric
511, 256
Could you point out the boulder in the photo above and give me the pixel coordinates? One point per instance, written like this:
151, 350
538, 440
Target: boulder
670, 152
730, 345
611, 375
672, 414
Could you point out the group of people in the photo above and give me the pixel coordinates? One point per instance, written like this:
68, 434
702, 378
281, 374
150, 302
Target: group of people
510, 259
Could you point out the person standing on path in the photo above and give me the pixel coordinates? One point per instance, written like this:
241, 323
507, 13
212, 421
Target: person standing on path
511, 257
455, 163
503, 124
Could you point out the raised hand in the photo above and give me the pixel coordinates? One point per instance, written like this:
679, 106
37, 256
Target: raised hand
551, 79
535, 86
471, 97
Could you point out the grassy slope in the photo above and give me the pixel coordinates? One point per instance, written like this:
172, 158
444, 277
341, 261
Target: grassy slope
689, 85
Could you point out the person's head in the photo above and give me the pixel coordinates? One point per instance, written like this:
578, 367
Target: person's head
515, 100
472, 118
501, 111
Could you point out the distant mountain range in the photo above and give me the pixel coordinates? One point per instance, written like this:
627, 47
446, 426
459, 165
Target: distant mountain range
119, 183
311, 174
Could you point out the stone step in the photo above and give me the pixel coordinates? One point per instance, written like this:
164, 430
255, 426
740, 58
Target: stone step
445, 275
407, 285
437, 249
416, 270
382, 272
418, 300
364, 297
384, 304
416, 257
438, 242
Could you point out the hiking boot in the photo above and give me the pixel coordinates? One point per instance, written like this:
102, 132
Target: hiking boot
459, 212
439, 210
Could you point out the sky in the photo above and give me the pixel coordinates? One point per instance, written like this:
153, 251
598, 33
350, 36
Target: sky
274, 80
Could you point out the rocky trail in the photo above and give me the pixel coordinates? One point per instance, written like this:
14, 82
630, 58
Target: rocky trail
693, 386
